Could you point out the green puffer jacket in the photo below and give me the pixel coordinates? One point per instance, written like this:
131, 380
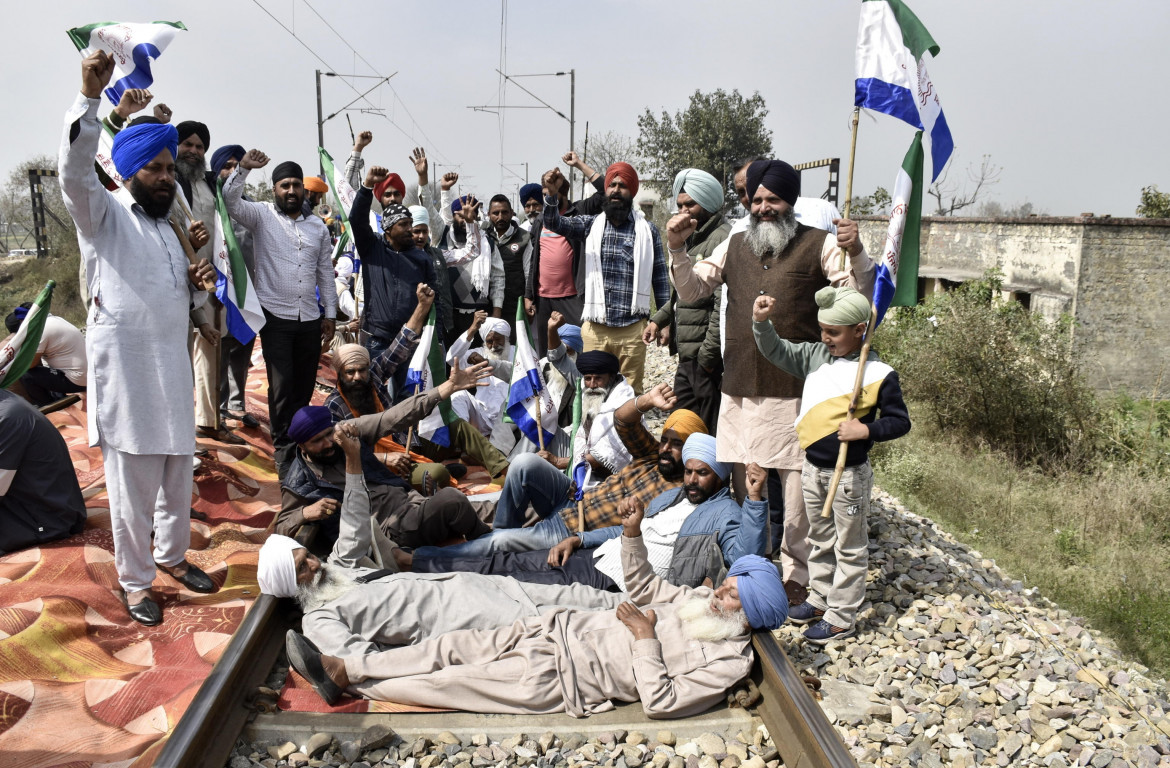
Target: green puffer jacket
695, 325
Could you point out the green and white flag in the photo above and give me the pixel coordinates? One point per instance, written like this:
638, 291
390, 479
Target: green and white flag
896, 280
343, 193
427, 370
134, 48
17, 354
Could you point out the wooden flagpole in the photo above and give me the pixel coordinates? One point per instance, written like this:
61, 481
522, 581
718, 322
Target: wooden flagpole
858, 381
849, 178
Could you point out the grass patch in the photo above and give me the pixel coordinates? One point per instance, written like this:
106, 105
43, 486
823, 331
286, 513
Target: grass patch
21, 281
1098, 544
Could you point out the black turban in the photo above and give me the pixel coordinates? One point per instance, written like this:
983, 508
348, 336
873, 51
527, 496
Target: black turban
597, 362
286, 170
777, 177
188, 127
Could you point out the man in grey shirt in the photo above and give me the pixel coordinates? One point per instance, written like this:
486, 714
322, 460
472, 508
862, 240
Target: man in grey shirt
293, 267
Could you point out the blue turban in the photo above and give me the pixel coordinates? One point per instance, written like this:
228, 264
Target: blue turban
457, 204
220, 157
571, 335
309, 422
777, 177
530, 192
419, 215
137, 145
700, 185
702, 447
760, 591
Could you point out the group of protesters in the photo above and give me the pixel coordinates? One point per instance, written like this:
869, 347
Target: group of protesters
614, 564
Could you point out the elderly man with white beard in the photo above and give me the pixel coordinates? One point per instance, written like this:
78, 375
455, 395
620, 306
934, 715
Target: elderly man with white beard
782, 258
681, 650
596, 446
483, 407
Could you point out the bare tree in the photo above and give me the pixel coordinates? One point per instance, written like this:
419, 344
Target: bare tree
951, 197
609, 148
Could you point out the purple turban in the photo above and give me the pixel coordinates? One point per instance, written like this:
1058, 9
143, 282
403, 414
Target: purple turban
777, 177
761, 591
137, 145
309, 422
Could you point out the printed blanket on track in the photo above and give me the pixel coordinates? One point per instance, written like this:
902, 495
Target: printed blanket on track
81, 684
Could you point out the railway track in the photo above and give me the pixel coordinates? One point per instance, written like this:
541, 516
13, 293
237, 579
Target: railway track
206, 734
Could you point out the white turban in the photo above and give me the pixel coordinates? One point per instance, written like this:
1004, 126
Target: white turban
419, 215
277, 571
495, 325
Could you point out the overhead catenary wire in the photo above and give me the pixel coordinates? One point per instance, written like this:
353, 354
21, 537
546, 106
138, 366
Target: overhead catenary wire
432, 147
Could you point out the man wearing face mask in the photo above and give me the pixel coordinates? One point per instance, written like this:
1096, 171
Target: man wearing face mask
293, 255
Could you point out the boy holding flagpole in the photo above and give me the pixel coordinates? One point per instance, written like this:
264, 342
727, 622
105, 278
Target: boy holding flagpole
839, 555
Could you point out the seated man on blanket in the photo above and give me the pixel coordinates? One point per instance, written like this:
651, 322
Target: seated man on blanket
483, 407
596, 447
656, 467
691, 534
363, 389
677, 650
313, 486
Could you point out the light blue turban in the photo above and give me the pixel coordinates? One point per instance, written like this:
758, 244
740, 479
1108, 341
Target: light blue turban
702, 447
702, 186
419, 215
137, 145
761, 591
571, 335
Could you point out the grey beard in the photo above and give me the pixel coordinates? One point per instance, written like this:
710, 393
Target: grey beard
330, 583
765, 237
192, 172
701, 622
493, 356
533, 217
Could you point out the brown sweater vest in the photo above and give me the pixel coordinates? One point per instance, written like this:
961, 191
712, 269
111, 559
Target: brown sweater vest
793, 278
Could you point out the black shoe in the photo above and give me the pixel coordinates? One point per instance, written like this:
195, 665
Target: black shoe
457, 471
305, 658
245, 418
219, 435
194, 579
148, 613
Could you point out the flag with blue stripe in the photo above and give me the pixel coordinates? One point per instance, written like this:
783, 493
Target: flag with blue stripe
529, 404
893, 48
134, 48
896, 280
233, 284
427, 370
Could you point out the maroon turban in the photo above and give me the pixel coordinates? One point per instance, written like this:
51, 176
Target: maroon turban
393, 180
626, 173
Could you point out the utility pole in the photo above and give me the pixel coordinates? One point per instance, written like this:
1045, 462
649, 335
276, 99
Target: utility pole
572, 107
320, 126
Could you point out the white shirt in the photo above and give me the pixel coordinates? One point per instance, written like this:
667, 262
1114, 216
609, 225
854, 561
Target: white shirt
659, 533
63, 347
294, 257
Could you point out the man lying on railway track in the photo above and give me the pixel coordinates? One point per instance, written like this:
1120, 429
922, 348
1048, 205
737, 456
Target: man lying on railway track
683, 650
691, 534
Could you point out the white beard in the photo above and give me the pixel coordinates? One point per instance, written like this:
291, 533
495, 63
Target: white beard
591, 401
702, 622
329, 584
494, 357
773, 237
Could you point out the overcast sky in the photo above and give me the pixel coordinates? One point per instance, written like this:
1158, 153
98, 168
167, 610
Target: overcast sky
1052, 91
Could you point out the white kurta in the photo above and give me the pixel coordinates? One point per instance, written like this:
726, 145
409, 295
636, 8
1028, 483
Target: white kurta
136, 340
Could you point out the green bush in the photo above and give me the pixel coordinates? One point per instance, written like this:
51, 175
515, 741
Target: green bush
992, 373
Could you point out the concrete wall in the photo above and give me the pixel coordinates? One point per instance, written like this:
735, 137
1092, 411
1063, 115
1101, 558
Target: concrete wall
1110, 274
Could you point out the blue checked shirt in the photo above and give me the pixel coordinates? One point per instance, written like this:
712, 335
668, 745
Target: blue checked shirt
617, 262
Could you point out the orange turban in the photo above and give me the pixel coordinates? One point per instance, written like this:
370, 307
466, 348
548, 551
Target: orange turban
626, 173
685, 423
316, 184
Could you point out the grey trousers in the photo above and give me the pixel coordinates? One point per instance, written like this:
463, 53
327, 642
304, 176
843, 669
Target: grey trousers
151, 492
839, 557
234, 364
